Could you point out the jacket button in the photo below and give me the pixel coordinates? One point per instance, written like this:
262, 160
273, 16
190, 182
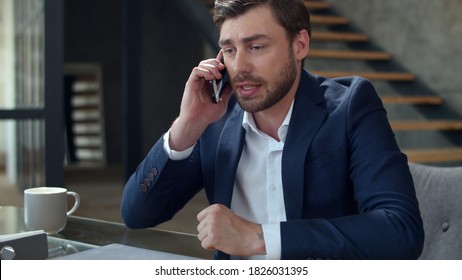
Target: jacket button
154, 171
143, 187
445, 226
147, 182
150, 176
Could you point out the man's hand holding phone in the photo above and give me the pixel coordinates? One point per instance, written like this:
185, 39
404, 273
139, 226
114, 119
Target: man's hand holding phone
218, 85
197, 108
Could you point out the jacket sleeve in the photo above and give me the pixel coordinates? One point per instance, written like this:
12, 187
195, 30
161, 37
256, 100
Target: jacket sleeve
159, 188
386, 223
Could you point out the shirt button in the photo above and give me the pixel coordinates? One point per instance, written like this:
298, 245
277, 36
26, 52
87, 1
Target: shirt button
143, 188
273, 188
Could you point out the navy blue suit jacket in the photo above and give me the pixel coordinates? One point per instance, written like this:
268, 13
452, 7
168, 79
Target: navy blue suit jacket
347, 187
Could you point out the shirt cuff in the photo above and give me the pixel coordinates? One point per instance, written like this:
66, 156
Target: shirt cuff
175, 155
272, 236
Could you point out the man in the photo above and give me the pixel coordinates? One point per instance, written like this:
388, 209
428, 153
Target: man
295, 166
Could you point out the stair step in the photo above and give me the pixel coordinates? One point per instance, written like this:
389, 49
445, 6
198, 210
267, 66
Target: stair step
328, 20
79, 100
426, 125
81, 140
339, 36
341, 54
84, 84
376, 76
85, 115
434, 155
86, 128
316, 5
89, 154
415, 100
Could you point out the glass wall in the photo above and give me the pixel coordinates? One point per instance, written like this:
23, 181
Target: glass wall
7, 57
22, 157
29, 47
22, 88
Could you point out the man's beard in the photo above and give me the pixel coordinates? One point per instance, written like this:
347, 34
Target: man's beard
282, 83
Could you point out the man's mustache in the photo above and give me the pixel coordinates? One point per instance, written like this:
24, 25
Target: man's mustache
249, 78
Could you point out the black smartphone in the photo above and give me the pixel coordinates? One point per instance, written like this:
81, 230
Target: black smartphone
217, 86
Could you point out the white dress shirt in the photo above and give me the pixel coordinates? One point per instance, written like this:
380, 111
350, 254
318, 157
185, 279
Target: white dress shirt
258, 195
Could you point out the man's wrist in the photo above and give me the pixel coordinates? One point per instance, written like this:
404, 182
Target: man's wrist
172, 154
183, 135
260, 244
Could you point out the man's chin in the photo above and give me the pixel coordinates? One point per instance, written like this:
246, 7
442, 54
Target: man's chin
252, 105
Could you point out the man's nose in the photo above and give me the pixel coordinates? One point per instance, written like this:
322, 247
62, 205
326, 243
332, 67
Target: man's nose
242, 63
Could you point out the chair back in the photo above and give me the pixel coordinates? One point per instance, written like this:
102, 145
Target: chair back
439, 192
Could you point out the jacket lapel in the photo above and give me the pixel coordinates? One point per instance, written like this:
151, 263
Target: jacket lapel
307, 117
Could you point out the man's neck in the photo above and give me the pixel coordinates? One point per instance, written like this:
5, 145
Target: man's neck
269, 120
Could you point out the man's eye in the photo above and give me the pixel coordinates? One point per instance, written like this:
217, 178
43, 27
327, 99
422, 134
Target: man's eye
257, 48
228, 51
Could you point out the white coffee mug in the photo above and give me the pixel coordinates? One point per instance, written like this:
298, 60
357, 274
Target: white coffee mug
46, 208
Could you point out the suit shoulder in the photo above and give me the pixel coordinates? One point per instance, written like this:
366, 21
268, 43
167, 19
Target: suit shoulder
344, 84
343, 89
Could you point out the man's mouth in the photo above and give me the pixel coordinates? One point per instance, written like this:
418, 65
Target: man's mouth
248, 89
247, 85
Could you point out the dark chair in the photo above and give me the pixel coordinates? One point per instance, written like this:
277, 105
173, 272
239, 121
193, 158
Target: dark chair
439, 191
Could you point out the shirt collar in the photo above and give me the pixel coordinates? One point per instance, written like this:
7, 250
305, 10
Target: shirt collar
248, 123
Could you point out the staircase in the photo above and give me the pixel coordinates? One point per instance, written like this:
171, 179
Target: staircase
337, 50
335, 44
84, 121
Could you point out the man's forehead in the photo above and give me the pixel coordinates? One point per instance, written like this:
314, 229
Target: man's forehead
257, 23
244, 39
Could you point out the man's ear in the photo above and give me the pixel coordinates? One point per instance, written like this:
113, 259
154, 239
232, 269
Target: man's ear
301, 45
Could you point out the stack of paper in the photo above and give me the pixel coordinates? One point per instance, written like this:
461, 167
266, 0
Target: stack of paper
123, 252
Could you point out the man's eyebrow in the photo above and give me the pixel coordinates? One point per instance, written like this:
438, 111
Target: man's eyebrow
244, 40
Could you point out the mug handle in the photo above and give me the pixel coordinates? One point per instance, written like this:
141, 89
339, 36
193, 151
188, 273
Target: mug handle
76, 203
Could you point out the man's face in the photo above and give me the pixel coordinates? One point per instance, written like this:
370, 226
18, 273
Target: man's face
259, 59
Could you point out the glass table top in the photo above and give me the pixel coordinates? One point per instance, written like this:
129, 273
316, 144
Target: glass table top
81, 234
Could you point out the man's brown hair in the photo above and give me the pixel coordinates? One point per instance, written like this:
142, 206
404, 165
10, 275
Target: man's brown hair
292, 15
